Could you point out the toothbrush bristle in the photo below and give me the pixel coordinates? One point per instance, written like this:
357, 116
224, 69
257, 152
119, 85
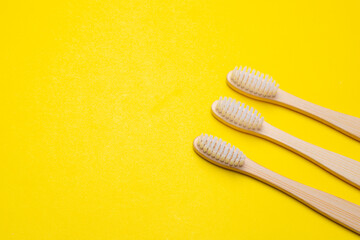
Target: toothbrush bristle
239, 114
219, 150
254, 82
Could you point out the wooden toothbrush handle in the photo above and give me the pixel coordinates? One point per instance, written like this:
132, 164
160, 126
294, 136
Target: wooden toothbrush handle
344, 123
343, 167
337, 209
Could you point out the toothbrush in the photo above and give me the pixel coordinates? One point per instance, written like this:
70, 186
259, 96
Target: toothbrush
224, 155
255, 85
242, 118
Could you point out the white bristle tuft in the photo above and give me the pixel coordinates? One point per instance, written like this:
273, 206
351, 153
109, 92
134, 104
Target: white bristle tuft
222, 151
253, 81
239, 114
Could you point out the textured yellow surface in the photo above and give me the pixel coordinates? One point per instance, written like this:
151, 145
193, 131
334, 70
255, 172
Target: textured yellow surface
101, 101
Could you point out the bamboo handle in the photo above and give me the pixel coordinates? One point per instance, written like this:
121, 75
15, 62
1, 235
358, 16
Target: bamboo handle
337, 209
343, 167
344, 123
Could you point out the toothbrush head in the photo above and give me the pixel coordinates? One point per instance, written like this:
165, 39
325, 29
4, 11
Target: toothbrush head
219, 152
237, 114
252, 82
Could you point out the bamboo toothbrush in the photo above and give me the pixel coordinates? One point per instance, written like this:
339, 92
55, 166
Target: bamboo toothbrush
219, 153
255, 85
245, 119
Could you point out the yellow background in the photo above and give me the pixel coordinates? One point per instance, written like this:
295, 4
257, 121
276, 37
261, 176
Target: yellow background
101, 100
